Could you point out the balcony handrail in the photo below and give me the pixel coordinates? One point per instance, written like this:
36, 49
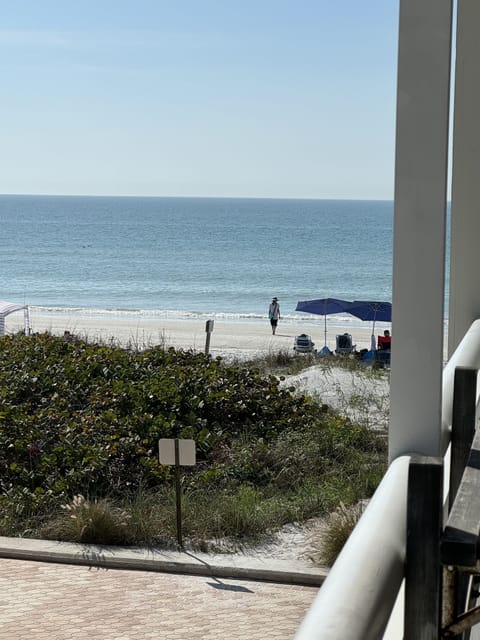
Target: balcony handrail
357, 598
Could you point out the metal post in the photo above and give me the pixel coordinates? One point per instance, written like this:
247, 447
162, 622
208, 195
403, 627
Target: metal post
178, 494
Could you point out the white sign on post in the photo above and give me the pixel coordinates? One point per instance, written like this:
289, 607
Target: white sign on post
177, 452
186, 451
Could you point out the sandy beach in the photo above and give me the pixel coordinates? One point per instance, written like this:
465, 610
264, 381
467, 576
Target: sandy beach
229, 339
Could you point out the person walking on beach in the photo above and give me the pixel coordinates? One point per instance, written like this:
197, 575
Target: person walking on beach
274, 314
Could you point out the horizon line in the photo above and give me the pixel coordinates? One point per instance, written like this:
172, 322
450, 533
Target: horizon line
191, 197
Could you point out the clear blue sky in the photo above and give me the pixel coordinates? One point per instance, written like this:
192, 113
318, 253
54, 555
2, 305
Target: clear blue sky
266, 98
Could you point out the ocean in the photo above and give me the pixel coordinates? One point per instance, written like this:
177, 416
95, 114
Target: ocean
191, 257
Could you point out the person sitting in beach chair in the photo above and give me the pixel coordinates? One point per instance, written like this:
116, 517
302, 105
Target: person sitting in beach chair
303, 344
382, 354
344, 344
385, 341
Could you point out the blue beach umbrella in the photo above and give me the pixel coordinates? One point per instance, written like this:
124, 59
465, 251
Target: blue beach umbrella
323, 307
371, 310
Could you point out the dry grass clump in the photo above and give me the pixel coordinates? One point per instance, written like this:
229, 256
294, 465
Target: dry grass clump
96, 521
338, 527
283, 361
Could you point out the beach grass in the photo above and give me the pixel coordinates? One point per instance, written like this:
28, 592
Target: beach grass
327, 546
287, 362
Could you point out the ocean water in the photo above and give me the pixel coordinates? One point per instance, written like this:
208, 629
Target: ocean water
191, 257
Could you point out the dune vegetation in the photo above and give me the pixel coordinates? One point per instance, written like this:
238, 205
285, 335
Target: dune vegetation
79, 430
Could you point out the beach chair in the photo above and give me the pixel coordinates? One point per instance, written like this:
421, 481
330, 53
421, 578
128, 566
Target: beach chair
344, 344
382, 354
303, 344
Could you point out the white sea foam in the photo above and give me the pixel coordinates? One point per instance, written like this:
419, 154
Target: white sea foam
309, 320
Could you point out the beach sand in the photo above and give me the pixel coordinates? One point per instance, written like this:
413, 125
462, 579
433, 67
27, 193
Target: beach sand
229, 339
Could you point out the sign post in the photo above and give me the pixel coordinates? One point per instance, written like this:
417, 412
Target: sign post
208, 331
178, 494
174, 451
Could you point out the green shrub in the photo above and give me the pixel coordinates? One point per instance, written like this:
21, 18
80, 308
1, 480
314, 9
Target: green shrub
80, 418
85, 419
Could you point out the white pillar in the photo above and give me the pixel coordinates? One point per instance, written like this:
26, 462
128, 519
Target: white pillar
419, 226
465, 227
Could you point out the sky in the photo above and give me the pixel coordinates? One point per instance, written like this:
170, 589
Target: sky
250, 98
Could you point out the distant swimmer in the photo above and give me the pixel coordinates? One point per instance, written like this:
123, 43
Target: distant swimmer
274, 314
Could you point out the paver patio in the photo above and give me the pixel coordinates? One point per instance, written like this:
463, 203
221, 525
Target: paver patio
44, 601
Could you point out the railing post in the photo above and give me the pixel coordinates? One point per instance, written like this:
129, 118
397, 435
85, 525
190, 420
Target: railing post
463, 425
463, 430
423, 574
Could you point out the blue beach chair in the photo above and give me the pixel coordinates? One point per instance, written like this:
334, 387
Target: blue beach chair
344, 344
303, 344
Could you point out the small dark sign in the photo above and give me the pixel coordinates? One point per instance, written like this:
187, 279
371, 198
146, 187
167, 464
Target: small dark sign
209, 326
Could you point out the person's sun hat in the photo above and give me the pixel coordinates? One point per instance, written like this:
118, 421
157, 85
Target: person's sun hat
275, 299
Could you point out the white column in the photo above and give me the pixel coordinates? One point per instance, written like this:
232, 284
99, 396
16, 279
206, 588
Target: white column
465, 240
419, 226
